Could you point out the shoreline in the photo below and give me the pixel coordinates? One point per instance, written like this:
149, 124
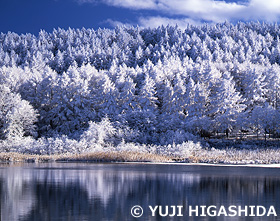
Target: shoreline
212, 152
114, 156
120, 157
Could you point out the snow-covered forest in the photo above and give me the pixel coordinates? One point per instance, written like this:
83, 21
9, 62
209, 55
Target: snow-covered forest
149, 86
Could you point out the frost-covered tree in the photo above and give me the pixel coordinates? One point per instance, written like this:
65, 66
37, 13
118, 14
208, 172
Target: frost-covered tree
198, 120
71, 105
254, 86
227, 104
145, 116
17, 116
154, 83
99, 133
109, 104
127, 100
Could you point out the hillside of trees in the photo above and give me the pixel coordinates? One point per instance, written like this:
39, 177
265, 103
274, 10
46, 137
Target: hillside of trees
152, 86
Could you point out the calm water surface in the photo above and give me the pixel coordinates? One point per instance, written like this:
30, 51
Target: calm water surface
68, 191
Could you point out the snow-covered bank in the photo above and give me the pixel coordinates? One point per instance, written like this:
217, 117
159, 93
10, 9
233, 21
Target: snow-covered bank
62, 148
122, 156
230, 165
236, 156
214, 152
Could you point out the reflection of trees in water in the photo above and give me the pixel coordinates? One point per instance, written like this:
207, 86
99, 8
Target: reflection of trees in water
245, 190
17, 196
61, 203
92, 194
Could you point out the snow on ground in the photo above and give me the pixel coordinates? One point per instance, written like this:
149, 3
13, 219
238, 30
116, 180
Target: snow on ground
227, 152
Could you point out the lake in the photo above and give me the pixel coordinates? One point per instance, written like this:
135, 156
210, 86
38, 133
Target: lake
114, 191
